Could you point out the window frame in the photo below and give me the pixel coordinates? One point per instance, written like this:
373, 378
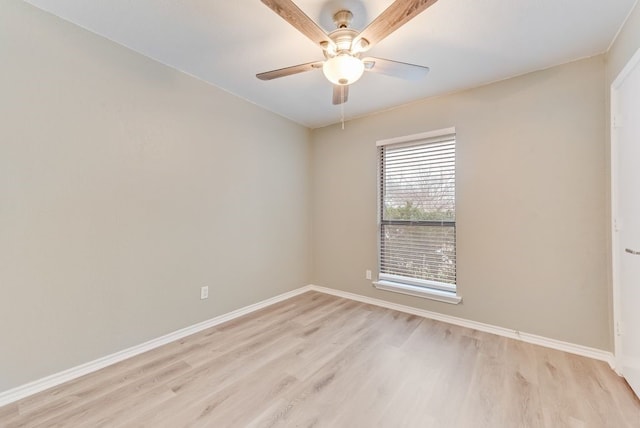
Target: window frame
430, 289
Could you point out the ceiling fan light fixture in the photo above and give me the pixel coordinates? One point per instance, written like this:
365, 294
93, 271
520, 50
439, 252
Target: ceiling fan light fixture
343, 69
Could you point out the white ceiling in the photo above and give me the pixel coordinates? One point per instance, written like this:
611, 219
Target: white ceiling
465, 42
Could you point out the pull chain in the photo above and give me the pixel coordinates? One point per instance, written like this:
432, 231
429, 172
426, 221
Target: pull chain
342, 105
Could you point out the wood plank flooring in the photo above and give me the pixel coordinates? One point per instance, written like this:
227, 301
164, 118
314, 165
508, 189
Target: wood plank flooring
321, 361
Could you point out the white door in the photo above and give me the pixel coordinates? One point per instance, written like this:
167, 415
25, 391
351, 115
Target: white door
625, 103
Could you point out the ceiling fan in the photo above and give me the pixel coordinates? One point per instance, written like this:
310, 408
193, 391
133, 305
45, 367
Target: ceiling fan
343, 47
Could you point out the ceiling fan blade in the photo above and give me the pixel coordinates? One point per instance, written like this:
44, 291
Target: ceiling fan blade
288, 71
340, 94
296, 17
395, 68
395, 16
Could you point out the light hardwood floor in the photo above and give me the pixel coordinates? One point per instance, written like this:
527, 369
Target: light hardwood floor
321, 361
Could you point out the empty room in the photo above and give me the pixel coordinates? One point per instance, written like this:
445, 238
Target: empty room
320, 213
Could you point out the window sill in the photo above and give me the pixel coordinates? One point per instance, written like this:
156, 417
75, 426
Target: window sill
412, 290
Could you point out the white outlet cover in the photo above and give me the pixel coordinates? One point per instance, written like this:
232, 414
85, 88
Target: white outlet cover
204, 293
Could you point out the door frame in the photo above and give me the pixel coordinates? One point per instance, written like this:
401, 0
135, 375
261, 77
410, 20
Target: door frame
615, 244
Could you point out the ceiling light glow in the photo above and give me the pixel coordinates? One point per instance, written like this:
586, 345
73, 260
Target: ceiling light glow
343, 69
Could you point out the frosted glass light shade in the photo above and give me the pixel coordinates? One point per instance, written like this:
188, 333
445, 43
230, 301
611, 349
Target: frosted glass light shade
343, 69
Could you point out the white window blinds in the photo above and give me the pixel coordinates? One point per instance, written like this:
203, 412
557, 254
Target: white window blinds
417, 212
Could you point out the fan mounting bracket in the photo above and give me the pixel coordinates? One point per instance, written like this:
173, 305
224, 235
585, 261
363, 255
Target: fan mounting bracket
343, 18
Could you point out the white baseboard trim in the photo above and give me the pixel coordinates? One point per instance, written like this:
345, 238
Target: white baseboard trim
56, 379
585, 351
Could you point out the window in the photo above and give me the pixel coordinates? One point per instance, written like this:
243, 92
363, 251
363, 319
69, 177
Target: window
417, 215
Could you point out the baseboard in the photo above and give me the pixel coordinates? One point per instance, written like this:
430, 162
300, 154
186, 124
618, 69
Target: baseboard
56, 379
559, 345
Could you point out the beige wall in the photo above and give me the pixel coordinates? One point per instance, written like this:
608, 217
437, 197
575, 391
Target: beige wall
530, 202
124, 187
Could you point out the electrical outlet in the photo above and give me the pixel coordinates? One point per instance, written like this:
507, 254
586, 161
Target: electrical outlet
367, 274
204, 292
